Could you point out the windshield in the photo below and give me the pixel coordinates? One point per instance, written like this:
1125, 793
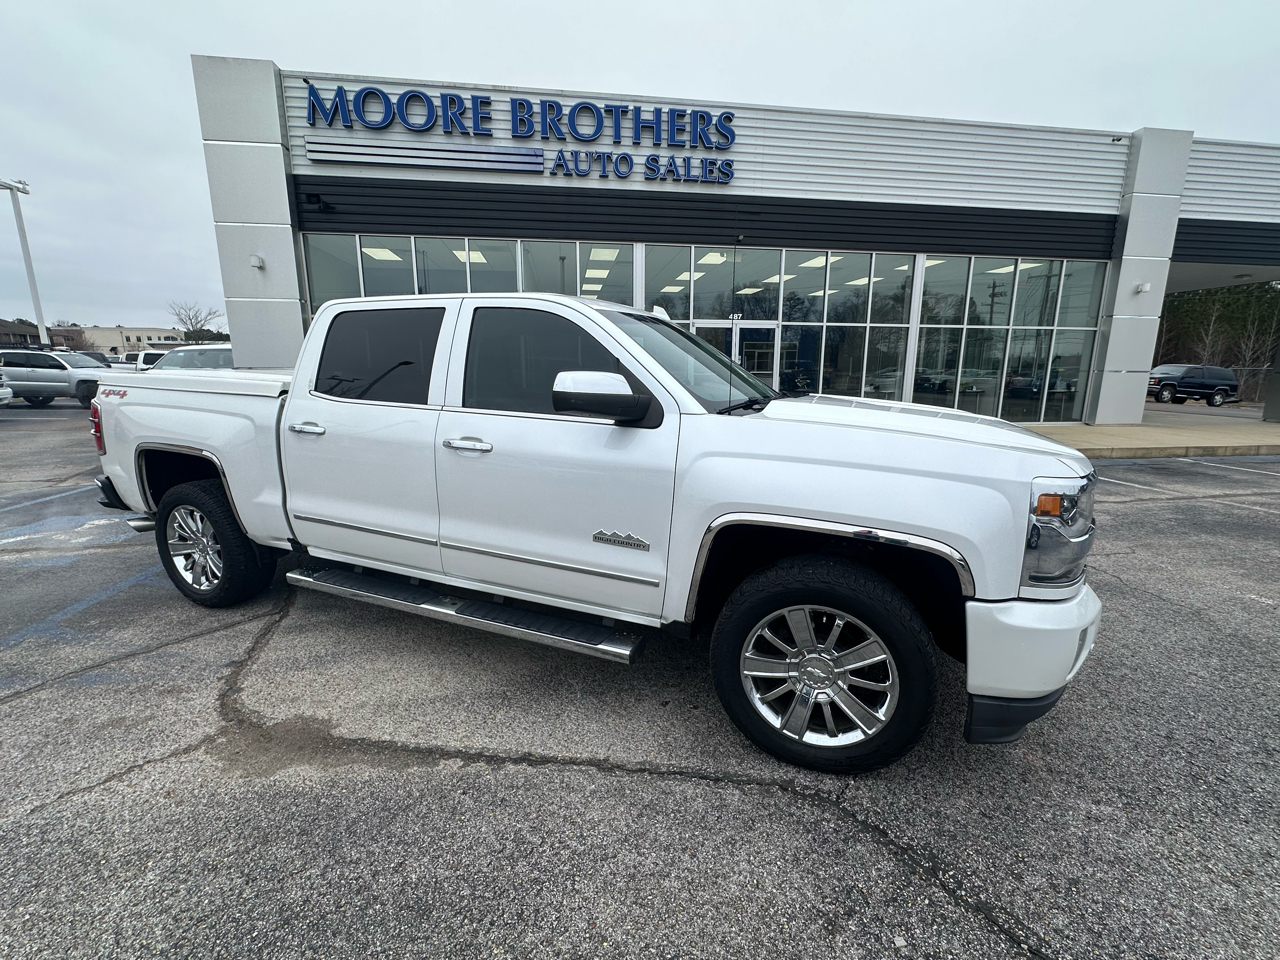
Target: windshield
1170, 370
713, 379
79, 360
213, 358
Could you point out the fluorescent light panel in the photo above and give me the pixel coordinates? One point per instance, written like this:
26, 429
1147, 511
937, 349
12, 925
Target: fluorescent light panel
672, 289
380, 253
696, 275
714, 257
604, 253
746, 290
596, 274
593, 286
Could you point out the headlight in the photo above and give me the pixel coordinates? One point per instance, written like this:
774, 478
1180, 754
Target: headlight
1059, 531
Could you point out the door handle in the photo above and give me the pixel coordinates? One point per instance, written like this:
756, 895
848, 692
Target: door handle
478, 446
311, 428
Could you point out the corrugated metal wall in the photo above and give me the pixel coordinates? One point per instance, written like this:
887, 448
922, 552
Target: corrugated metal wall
1233, 181
804, 154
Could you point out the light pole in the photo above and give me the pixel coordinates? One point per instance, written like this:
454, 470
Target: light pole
16, 187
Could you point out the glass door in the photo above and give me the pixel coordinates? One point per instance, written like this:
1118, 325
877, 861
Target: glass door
754, 349
751, 345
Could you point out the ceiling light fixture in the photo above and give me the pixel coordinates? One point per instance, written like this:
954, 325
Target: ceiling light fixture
592, 286
714, 257
746, 290
379, 253
604, 253
596, 274
696, 275
1008, 269
820, 261
672, 289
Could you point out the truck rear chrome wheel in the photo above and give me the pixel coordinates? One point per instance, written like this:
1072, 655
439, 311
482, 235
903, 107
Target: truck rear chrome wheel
819, 675
203, 549
193, 545
824, 663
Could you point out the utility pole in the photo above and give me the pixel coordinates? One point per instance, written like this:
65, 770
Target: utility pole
16, 187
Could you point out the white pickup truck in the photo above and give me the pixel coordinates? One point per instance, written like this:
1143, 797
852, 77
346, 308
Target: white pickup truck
578, 473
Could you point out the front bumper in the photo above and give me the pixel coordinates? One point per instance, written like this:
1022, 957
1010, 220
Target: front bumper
1021, 653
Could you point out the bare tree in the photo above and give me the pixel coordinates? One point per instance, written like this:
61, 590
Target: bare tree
193, 320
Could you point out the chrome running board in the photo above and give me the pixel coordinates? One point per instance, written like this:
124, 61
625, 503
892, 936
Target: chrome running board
593, 639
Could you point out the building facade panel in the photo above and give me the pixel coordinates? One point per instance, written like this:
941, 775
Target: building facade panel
1233, 181
812, 154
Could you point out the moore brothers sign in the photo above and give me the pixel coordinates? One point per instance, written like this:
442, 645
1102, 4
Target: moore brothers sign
694, 137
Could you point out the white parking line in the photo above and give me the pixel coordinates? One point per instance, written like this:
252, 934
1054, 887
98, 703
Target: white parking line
28, 503
1126, 483
1228, 466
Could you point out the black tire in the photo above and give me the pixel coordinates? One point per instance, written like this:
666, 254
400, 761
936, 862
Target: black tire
244, 572
1180, 399
85, 392
1218, 399
1166, 393
849, 588
39, 401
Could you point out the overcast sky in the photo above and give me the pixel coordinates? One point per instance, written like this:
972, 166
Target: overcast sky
99, 113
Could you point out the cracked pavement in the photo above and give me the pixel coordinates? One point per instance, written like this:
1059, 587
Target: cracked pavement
306, 776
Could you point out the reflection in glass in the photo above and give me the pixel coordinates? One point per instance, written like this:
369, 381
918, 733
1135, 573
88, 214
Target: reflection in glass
755, 351
991, 294
842, 361
1069, 374
666, 280
550, 267
1037, 295
799, 354
891, 289
945, 279
1024, 376
742, 282
608, 272
493, 266
1081, 293
980, 371
850, 286
332, 272
804, 286
937, 362
388, 266
442, 264
886, 358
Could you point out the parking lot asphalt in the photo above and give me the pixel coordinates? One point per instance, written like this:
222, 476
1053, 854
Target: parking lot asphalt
306, 776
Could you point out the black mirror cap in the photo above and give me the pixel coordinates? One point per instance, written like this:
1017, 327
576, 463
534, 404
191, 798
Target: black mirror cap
619, 407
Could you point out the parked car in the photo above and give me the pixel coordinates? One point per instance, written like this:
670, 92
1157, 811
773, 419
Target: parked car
39, 377
6, 395
1180, 382
143, 360
102, 358
571, 472
199, 357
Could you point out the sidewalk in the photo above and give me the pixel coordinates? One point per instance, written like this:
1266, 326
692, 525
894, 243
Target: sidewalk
1192, 430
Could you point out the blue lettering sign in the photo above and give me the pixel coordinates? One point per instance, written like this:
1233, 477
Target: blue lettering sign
521, 117
701, 135
357, 107
616, 110
451, 110
402, 110
552, 112
726, 131
654, 125
315, 103
597, 120
479, 114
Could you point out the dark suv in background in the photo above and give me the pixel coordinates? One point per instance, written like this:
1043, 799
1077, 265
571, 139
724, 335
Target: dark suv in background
1180, 382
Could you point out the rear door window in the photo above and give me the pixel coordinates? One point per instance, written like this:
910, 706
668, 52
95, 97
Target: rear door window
16, 360
514, 354
380, 355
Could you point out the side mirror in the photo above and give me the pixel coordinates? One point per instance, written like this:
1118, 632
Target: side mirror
598, 393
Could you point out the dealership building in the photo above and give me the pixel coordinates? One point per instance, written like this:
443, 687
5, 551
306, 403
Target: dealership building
1008, 270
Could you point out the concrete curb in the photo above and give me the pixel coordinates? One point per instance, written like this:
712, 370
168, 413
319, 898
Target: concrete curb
1148, 453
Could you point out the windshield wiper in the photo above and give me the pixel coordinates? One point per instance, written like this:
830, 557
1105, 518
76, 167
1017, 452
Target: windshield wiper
744, 404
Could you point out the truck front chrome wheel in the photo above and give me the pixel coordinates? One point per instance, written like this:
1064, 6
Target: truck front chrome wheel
819, 675
824, 663
193, 545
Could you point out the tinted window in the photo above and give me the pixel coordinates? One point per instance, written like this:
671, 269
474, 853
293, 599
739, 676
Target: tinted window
514, 355
16, 360
42, 361
383, 355
150, 358
1221, 373
1169, 370
1195, 372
